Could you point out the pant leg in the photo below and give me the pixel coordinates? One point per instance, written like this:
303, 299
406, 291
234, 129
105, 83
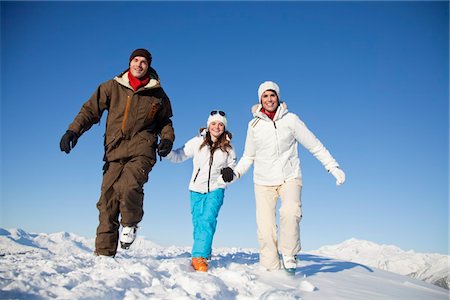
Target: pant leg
205, 209
197, 201
266, 202
131, 186
108, 206
290, 216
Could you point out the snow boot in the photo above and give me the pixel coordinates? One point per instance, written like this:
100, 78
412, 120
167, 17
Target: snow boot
200, 264
127, 237
289, 264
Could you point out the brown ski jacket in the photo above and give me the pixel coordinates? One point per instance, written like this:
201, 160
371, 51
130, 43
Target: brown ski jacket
135, 118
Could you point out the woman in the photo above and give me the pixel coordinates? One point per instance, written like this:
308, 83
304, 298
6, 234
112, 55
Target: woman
213, 159
271, 145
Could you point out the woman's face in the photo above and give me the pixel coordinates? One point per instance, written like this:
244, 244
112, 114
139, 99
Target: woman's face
216, 129
269, 100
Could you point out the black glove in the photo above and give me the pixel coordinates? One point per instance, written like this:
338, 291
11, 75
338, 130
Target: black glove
227, 174
164, 147
68, 141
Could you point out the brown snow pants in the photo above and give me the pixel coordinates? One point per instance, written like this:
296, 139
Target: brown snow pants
122, 194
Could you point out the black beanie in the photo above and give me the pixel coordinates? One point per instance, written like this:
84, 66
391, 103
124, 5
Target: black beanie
142, 52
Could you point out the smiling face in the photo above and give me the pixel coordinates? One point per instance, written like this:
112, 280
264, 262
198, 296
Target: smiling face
138, 66
216, 129
269, 100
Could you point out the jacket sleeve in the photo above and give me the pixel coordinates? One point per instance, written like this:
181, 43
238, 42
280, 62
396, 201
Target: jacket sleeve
248, 157
308, 140
181, 154
164, 123
230, 162
92, 110
231, 158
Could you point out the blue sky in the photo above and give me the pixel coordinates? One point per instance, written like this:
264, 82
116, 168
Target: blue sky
370, 79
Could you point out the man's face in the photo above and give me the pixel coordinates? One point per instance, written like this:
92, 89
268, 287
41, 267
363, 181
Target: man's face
138, 66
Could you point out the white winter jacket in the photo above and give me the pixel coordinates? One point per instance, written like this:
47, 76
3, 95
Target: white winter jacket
272, 147
206, 175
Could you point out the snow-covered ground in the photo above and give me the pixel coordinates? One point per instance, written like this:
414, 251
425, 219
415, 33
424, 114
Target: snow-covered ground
429, 267
62, 266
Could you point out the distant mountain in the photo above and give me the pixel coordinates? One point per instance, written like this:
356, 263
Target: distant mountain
432, 268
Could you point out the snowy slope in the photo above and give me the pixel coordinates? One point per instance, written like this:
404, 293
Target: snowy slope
61, 265
433, 268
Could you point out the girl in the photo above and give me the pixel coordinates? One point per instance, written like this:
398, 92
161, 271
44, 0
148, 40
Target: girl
213, 160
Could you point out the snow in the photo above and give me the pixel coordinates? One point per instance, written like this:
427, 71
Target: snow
62, 266
429, 267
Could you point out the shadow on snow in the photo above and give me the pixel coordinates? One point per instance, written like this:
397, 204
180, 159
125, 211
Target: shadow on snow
326, 265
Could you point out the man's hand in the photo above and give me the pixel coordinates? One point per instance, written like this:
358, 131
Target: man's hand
164, 147
68, 141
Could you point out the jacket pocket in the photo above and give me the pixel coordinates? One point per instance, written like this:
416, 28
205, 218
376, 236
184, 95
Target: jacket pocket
144, 167
196, 175
153, 109
145, 144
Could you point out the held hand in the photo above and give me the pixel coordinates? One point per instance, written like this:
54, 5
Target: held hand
68, 141
339, 175
164, 147
227, 174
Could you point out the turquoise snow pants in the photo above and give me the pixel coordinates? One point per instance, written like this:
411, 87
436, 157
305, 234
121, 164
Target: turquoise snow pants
205, 209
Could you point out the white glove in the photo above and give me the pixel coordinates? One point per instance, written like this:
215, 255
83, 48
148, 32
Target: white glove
339, 175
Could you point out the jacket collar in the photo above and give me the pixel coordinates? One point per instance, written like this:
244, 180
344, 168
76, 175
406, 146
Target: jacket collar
123, 80
282, 110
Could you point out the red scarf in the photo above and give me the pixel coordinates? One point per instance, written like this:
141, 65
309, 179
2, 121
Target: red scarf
270, 114
136, 83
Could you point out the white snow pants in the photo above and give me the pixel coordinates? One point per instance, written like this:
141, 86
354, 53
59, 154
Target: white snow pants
290, 216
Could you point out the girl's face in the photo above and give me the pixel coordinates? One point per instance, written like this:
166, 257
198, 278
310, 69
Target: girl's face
216, 129
138, 66
269, 100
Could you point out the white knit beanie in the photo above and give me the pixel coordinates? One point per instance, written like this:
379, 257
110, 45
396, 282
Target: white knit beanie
268, 85
216, 117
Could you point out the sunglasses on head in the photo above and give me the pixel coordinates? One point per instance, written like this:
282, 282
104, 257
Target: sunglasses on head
220, 112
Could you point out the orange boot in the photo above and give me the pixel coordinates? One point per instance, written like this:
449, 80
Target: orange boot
200, 264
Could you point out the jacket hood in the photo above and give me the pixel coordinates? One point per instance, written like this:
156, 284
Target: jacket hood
154, 82
281, 111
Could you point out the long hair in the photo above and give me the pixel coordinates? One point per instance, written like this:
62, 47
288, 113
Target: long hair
222, 143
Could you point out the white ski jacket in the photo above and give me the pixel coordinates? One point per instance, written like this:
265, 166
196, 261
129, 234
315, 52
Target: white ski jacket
206, 175
272, 147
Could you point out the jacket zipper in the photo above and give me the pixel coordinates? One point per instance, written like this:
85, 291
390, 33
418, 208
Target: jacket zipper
125, 115
209, 172
276, 137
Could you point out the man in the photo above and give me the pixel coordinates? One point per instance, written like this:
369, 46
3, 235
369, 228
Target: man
138, 112
271, 145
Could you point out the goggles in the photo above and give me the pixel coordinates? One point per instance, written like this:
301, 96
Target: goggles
215, 112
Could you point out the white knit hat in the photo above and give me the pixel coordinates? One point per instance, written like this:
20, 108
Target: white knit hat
216, 115
268, 85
